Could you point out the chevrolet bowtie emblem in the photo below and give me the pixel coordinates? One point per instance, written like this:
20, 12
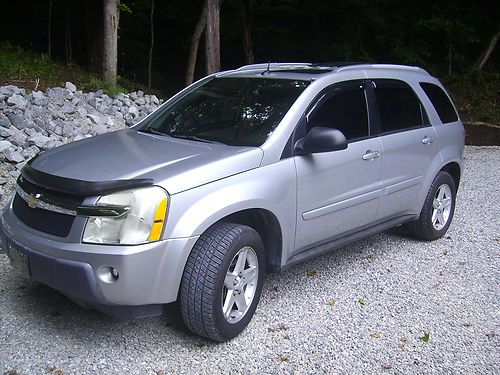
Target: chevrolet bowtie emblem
33, 200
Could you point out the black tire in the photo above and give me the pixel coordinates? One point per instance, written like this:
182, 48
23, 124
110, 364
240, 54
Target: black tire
423, 228
203, 280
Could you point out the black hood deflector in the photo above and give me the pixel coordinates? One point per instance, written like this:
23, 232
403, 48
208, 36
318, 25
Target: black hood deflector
79, 187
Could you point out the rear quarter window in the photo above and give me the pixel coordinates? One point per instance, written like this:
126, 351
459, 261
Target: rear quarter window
440, 101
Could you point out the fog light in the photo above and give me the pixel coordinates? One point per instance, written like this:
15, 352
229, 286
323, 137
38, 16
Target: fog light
108, 274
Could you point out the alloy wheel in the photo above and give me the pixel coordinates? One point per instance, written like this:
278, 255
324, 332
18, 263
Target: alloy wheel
441, 207
240, 284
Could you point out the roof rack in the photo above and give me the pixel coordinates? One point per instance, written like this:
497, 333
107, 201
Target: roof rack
316, 65
274, 66
339, 64
385, 66
327, 67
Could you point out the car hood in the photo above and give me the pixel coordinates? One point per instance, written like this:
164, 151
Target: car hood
175, 164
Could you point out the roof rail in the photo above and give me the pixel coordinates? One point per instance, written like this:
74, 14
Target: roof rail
331, 66
316, 65
273, 65
385, 66
339, 64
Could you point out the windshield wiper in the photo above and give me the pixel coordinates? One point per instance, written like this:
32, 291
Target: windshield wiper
180, 136
193, 138
152, 131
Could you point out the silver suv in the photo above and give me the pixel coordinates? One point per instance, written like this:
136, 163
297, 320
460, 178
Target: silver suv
243, 172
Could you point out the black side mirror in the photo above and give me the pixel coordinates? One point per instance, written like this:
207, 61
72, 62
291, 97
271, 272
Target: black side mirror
320, 139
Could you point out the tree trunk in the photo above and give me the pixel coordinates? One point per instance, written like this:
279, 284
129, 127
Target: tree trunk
110, 42
483, 59
68, 43
152, 42
95, 28
49, 47
213, 36
195, 42
88, 34
247, 23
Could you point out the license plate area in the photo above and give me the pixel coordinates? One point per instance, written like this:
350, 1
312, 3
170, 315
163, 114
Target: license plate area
19, 260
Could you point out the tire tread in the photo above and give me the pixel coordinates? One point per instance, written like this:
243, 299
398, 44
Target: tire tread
422, 228
198, 286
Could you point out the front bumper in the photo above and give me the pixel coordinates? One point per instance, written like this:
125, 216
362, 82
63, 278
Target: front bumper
149, 274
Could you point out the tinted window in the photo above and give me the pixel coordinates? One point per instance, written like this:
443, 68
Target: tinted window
440, 101
231, 110
398, 105
346, 111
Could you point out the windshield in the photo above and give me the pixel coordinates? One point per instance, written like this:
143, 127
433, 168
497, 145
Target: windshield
233, 110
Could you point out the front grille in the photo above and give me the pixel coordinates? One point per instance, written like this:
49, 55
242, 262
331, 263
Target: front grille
42, 220
45, 221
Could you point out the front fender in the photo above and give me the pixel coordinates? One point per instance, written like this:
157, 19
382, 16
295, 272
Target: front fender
272, 187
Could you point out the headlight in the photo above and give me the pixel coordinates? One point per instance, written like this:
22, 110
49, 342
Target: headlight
143, 221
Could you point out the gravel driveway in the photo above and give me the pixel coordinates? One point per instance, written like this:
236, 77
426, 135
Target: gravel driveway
361, 310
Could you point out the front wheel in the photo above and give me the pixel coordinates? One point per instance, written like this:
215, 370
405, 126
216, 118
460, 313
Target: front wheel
222, 281
437, 212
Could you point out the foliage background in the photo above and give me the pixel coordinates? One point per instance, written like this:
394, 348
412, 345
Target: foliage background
445, 37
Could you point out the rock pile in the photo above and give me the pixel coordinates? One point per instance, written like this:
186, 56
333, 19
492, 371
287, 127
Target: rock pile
31, 122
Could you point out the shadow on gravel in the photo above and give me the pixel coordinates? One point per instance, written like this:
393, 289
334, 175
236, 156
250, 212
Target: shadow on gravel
402, 232
61, 316
57, 315
64, 317
45, 302
338, 261
357, 250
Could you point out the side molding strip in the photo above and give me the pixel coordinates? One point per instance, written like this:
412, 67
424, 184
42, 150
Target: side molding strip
325, 210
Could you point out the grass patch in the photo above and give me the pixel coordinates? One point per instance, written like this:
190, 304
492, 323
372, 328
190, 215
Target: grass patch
34, 71
20, 67
97, 83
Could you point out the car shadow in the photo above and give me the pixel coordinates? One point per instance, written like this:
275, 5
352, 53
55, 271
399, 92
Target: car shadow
61, 316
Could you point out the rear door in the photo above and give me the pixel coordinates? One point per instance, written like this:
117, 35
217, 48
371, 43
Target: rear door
409, 144
337, 192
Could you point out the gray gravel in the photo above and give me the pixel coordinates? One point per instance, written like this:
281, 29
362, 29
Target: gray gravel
311, 319
37, 121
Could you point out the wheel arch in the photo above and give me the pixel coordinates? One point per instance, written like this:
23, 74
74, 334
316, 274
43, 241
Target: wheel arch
269, 229
263, 221
453, 168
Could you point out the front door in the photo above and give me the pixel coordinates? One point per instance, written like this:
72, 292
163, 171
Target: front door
338, 192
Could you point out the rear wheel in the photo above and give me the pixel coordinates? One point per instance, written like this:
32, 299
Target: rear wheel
437, 212
222, 281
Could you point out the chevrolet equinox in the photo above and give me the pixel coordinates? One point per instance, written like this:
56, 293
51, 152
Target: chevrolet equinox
244, 172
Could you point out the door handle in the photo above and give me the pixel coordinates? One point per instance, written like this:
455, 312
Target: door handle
427, 140
370, 155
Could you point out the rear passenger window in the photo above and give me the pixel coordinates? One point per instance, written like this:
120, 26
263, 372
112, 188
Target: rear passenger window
440, 101
345, 110
398, 105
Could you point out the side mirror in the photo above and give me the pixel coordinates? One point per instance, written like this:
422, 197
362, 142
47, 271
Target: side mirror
320, 139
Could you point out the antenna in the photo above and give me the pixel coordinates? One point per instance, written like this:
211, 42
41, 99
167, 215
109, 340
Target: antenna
267, 69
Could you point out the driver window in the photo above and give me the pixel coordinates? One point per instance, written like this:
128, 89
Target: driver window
346, 111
